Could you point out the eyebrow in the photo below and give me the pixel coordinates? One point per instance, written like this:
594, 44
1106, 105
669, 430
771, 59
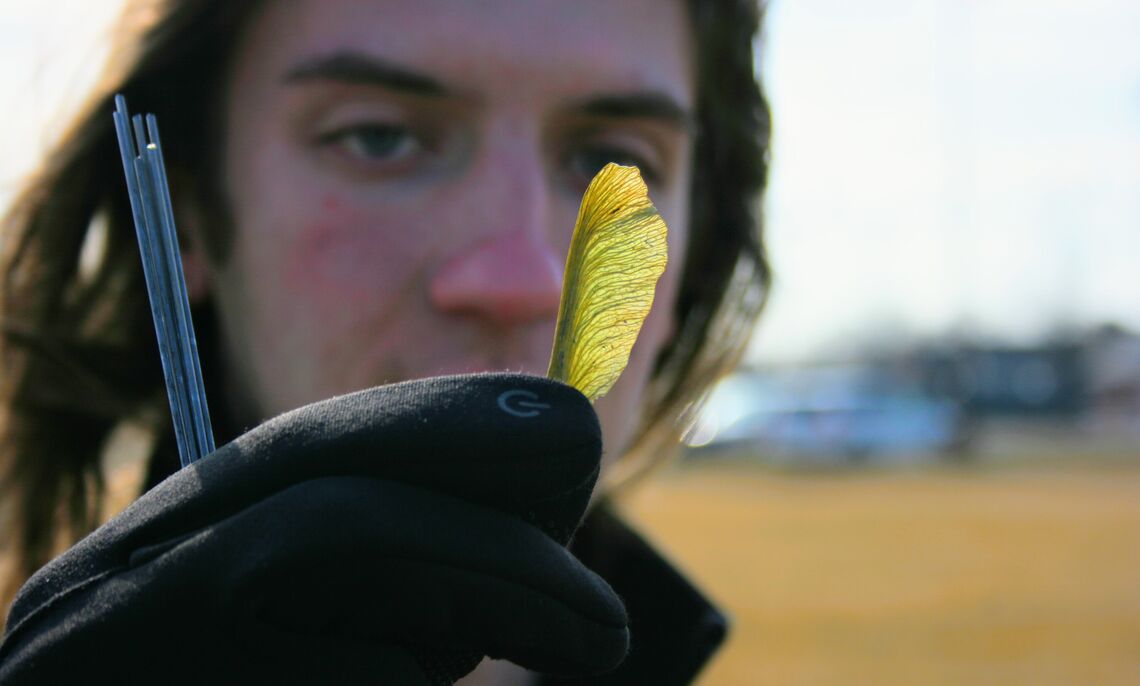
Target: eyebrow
360, 68
354, 67
641, 105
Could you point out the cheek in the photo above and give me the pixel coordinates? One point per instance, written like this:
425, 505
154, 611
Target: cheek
349, 258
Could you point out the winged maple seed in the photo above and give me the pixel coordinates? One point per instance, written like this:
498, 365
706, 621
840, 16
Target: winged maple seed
617, 254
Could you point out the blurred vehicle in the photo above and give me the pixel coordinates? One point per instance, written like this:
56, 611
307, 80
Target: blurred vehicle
824, 414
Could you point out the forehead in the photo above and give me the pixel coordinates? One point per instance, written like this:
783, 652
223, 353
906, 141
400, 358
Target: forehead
513, 47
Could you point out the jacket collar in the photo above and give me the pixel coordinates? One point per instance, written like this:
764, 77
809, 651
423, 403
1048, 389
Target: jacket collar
674, 629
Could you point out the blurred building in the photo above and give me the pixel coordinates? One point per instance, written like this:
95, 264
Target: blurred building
1047, 381
1113, 358
927, 401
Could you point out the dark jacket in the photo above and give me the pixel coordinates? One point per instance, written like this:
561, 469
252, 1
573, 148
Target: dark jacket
674, 629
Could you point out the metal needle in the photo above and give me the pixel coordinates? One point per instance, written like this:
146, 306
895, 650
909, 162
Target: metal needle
153, 213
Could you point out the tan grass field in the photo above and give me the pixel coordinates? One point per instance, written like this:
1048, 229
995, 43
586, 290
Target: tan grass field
1016, 576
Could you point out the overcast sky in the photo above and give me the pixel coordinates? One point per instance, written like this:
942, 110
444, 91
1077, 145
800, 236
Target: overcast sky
938, 165
952, 163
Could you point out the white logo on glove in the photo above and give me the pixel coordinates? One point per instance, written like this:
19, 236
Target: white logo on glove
521, 403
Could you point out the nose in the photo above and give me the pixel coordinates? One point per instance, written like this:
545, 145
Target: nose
507, 273
509, 279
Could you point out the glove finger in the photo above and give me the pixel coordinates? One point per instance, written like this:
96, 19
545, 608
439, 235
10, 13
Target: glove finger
384, 561
322, 659
538, 461
525, 445
522, 444
333, 571
537, 458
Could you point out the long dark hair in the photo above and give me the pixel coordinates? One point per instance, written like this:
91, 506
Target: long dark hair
77, 347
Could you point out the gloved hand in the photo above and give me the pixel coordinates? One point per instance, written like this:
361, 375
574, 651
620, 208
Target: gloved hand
391, 536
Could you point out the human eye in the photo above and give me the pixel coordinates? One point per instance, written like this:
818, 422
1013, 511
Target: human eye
585, 161
373, 142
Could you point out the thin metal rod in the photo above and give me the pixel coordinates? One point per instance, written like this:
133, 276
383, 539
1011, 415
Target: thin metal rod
153, 213
142, 232
160, 298
196, 393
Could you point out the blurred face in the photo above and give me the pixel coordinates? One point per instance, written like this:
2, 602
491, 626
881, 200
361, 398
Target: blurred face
404, 177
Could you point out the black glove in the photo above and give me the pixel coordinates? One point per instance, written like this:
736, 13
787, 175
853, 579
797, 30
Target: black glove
391, 536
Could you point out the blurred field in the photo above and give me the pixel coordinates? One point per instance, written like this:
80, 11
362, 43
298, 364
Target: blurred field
940, 576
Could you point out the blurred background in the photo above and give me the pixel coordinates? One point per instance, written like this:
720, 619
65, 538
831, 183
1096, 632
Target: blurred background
928, 468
